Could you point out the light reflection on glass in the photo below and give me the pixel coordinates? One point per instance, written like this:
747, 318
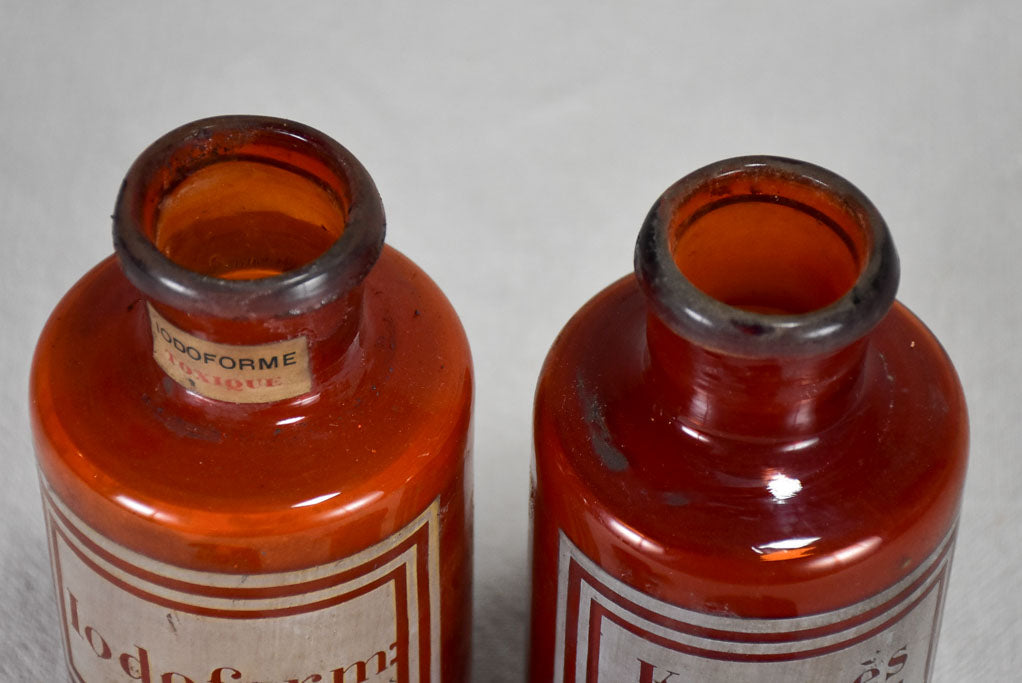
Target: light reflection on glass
823, 331
367, 499
781, 486
799, 445
847, 555
136, 506
633, 537
694, 434
317, 500
306, 400
697, 316
290, 420
787, 549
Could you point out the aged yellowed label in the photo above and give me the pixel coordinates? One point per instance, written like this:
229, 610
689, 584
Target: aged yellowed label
608, 632
239, 374
373, 617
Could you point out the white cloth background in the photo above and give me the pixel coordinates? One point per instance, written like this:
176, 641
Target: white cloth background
517, 147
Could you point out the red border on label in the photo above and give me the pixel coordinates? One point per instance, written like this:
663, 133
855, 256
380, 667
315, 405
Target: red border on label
419, 539
899, 606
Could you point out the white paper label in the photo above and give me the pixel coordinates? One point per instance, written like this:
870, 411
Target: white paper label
608, 632
258, 373
369, 618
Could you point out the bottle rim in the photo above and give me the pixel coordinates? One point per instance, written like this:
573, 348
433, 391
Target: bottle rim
188, 148
702, 319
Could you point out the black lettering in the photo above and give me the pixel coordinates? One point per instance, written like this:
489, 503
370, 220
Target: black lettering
166, 335
289, 358
208, 357
193, 353
227, 363
179, 345
246, 364
267, 363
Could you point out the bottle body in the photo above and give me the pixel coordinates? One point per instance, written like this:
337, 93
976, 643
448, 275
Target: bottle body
312, 520
726, 515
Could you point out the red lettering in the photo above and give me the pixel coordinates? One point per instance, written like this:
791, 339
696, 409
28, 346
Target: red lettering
174, 677
870, 674
897, 662
137, 668
73, 608
218, 675
361, 669
102, 649
202, 376
647, 672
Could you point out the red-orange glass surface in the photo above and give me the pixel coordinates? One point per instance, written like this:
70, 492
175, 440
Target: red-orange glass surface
272, 537
748, 458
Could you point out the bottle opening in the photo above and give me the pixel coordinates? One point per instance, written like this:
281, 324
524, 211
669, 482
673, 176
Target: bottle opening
241, 216
245, 220
767, 255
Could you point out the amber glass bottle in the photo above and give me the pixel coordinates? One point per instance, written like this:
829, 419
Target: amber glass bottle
253, 428
749, 457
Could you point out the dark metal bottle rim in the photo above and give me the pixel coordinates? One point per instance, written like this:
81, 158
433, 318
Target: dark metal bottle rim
339, 269
709, 322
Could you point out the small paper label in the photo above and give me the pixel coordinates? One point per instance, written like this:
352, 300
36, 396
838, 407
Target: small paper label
370, 618
240, 374
608, 632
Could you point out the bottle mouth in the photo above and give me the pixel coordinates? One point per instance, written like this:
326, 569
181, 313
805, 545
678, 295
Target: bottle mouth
246, 216
764, 256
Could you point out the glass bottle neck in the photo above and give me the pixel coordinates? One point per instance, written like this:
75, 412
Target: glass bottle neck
763, 278
250, 237
312, 344
761, 398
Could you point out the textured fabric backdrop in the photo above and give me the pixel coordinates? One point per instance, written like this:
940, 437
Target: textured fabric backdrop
518, 147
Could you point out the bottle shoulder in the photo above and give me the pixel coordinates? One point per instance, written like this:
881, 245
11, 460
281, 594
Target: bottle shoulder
111, 428
611, 440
